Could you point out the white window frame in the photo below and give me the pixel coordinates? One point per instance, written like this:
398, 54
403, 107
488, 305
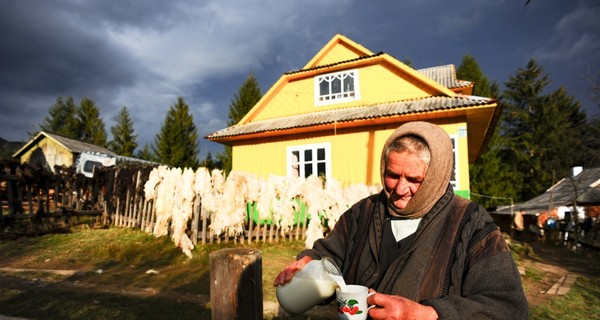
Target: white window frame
337, 97
454, 182
301, 162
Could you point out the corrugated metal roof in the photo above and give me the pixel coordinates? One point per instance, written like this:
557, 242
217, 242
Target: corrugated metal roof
445, 75
77, 146
74, 146
351, 114
584, 185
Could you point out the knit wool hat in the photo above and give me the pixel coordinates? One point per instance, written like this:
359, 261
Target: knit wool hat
438, 172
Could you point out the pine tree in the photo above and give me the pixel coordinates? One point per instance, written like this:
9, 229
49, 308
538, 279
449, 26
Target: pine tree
92, 126
209, 163
248, 95
124, 140
62, 119
146, 153
541, 131
177, 142
469, 70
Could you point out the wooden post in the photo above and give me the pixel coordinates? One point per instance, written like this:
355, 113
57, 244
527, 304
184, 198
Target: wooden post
195, 219
236, 284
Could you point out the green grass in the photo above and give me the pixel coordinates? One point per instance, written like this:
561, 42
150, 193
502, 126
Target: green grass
115, 260
582, 302
114, 283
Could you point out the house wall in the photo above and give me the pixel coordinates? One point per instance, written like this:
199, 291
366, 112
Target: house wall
355, 156
47, 154
376, 83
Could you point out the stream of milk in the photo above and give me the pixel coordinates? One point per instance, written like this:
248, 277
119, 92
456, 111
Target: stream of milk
339, 280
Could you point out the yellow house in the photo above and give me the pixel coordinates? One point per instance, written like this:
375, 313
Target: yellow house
332, 117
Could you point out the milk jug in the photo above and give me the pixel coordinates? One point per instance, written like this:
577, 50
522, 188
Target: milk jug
311, 285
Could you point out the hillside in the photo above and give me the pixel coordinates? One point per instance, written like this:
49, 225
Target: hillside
8, 148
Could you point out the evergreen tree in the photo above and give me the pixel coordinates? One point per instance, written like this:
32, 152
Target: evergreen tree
209, 163
62, 119
541, 131
248, 95
91, 125
124, 139
177, 142
146, 153
469, 70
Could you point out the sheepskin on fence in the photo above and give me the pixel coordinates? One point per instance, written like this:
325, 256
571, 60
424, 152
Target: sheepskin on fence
225, 201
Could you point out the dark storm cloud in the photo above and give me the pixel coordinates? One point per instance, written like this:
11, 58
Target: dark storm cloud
49, 50
144, 54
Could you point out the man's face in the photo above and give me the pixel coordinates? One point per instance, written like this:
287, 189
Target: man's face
404, 173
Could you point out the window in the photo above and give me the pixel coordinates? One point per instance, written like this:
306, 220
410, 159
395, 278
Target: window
454, 173
336, 87
89, 166
305, 160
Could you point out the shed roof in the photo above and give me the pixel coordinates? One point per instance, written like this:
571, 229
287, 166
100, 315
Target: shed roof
585, 185
74, 146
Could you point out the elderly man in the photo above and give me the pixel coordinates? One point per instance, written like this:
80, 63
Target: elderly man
426, 252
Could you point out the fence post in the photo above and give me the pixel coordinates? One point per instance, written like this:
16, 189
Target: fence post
236, 284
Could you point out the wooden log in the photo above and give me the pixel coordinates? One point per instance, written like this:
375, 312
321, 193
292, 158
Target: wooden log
236, 284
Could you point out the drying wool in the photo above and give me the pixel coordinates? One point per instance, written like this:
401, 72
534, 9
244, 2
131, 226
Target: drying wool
225, 201
203, 189
265, 199
231, 216
150, 185
253, 187
218, 181
313, 232
182, 211
166, 197
337, 205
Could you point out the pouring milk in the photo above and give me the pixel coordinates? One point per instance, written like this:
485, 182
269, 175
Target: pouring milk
311, 285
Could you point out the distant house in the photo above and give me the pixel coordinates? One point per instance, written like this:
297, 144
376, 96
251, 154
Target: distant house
48, 149
580, 191
332, 117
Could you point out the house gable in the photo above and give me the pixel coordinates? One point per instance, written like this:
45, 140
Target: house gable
379, 78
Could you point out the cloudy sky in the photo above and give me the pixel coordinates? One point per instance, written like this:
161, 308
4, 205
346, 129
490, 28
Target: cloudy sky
145, 54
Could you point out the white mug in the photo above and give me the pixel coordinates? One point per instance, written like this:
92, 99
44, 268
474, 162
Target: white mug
352, 303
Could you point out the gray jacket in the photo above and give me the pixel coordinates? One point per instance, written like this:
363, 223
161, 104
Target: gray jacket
458, 261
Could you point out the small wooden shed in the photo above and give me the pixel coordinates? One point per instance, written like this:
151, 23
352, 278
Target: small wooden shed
49, 149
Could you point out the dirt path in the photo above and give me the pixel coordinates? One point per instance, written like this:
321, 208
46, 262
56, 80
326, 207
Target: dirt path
549, 270
557, 267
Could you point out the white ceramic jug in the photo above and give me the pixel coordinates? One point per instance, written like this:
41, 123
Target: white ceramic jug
310, 286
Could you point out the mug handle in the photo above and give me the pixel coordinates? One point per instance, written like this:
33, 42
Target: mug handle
368, 295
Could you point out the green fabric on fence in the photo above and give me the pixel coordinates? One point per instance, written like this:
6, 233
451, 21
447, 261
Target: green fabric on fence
299, 215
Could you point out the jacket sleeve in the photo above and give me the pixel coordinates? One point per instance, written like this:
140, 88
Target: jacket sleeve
338, 240
491, 285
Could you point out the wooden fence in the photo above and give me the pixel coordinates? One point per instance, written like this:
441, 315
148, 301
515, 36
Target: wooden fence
34, 197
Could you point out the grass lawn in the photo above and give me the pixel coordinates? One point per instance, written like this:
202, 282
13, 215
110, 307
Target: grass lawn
128, 274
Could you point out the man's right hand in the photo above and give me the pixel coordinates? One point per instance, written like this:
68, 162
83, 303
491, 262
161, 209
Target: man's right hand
287, 274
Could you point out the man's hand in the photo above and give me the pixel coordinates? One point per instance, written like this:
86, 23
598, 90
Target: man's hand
397, 307
287, 274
